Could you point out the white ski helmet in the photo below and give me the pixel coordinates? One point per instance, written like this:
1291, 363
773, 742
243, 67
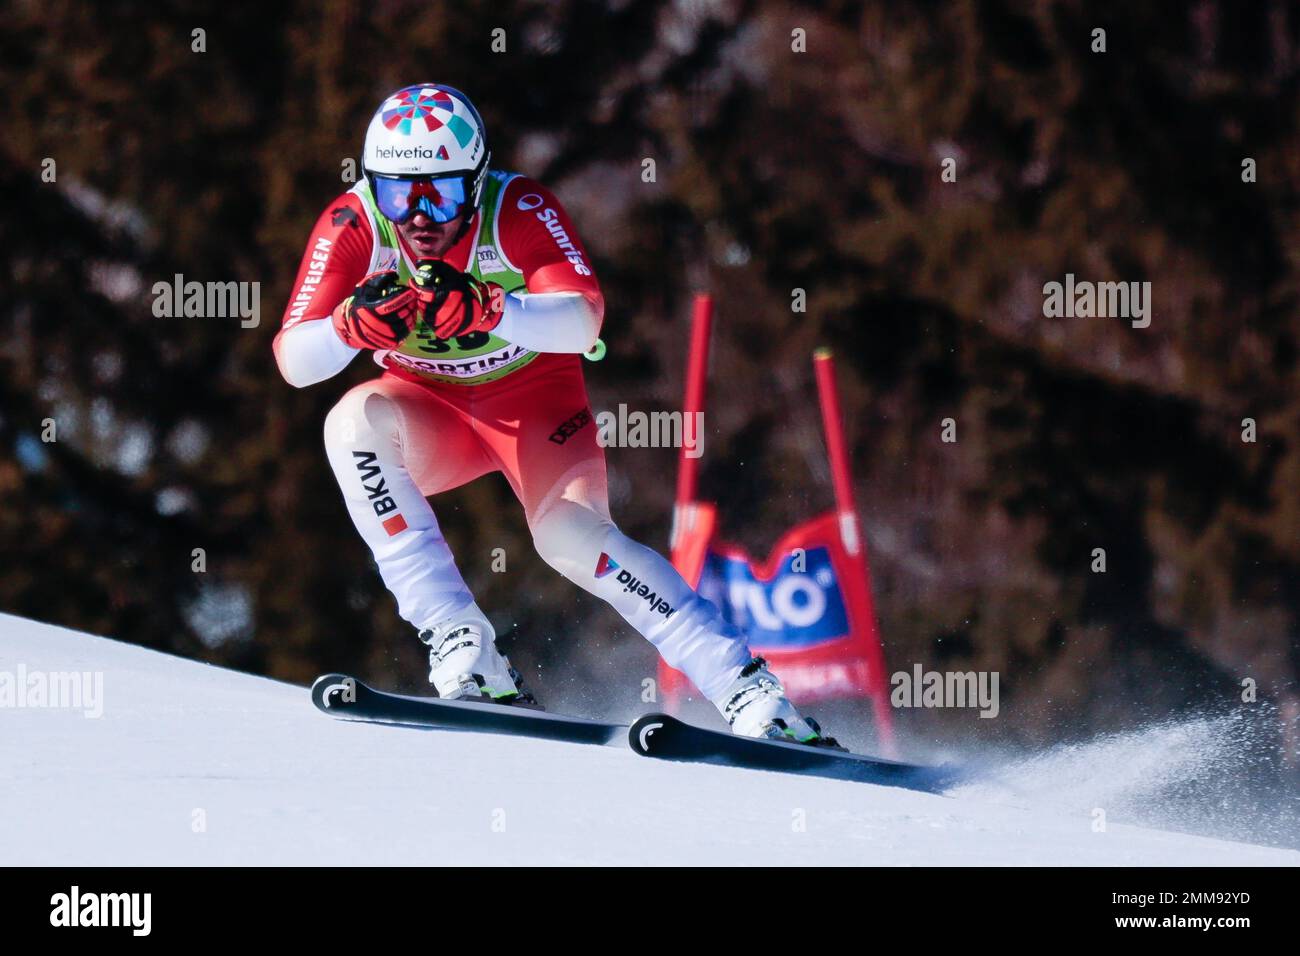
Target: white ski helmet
423, 133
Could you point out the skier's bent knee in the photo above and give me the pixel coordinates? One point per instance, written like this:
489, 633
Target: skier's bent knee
567, 533
362, 412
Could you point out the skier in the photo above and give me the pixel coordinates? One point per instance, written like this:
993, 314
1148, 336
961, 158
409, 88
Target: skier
470, 287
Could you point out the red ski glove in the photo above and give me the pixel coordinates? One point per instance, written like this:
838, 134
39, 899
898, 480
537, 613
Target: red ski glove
379, 314
455, 303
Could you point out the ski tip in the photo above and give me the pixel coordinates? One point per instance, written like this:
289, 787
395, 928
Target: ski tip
328, 689
640, 735
326, 679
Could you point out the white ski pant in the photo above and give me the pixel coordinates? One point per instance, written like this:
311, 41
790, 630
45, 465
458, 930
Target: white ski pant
391, 442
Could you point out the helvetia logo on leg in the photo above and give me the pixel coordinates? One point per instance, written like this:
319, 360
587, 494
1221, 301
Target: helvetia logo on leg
605, 565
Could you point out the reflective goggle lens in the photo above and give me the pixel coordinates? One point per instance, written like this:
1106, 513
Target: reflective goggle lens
439, 199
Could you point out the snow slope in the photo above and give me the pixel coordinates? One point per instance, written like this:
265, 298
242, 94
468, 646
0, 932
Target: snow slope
194, 765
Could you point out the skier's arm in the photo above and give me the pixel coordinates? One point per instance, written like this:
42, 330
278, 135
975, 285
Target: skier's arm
551, 321
307, 348
562, 309
310, 353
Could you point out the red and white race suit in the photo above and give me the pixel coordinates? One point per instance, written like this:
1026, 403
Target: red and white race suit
434, 420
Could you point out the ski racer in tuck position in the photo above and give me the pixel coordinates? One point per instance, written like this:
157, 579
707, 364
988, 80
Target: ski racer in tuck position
470, 287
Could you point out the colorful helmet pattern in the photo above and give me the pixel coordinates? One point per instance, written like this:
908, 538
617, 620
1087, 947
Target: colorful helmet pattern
428, 130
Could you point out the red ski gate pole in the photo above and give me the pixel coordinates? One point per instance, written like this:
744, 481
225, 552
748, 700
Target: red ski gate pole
688, 459
693, 521
851, 534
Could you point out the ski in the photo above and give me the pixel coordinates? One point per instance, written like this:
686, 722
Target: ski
347, 698
659, 735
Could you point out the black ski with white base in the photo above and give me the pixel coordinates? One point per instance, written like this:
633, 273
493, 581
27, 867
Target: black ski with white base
348, 699
659, 735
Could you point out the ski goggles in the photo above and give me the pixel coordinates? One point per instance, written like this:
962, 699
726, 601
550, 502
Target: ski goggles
441, 199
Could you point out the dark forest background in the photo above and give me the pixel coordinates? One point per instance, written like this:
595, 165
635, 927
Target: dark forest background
775, 170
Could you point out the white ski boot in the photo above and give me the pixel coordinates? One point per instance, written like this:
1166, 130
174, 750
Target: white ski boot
464, 663
756, 706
